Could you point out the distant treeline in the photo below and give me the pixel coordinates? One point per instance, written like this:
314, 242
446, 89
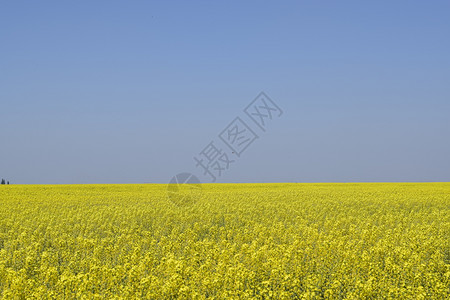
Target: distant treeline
4, 182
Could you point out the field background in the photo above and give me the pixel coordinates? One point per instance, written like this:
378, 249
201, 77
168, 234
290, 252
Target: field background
260, 241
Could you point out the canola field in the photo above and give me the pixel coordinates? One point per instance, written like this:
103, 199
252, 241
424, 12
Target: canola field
236, 241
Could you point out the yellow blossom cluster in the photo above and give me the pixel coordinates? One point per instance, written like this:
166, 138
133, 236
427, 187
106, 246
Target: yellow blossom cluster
235, 241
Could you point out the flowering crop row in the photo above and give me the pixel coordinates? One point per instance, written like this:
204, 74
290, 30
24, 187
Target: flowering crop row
252, 241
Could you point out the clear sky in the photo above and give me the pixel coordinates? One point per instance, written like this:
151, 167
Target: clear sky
131, 91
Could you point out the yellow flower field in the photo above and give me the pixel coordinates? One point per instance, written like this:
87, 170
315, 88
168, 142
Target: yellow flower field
236, 241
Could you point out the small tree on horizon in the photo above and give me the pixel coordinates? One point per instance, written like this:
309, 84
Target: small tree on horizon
3, 181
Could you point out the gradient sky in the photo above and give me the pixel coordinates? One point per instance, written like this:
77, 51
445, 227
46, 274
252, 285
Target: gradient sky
131, 91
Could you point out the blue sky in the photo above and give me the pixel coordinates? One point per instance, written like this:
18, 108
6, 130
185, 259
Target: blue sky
131, 91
